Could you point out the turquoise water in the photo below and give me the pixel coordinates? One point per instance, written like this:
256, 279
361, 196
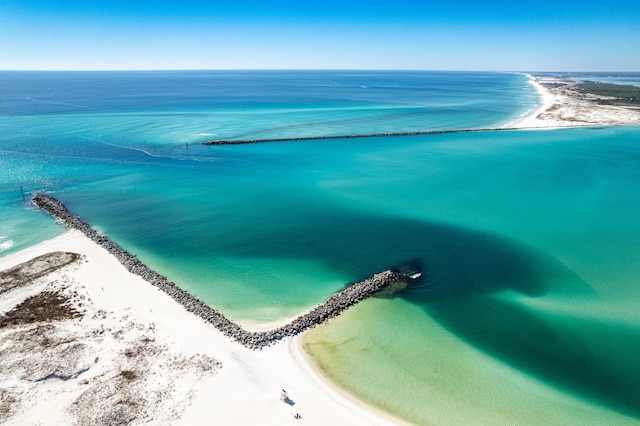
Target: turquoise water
123, 150
528, 240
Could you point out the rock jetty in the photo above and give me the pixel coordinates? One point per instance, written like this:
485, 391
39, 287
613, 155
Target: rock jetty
354, 136
337, 303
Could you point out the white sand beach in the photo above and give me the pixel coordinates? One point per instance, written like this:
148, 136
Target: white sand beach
136, 355
561, 107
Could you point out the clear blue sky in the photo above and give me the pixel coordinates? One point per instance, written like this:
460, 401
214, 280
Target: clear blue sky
533, 35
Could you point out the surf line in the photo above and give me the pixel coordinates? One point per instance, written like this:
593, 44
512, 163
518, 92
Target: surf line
362, 135
337, 303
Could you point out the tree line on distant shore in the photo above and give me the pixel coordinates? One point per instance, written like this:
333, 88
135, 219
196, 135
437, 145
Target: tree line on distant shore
620, 94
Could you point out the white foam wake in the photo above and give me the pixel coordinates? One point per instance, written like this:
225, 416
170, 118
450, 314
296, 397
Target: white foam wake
5, 245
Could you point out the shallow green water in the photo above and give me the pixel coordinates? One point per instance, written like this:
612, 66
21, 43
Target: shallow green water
440, 378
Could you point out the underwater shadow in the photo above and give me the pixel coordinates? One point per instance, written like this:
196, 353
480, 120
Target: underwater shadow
467, 277
456, 262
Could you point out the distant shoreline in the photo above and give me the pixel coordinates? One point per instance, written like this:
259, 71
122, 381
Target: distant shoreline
565, 106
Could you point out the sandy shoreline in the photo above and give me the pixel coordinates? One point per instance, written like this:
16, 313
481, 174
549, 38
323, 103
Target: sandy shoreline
182, 363
561, 107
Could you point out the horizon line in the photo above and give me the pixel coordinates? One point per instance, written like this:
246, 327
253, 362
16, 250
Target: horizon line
317, 69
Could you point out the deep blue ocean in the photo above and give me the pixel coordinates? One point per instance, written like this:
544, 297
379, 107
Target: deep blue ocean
528, 241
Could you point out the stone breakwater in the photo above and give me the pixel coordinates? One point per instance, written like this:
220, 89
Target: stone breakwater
363, 135
252, 339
